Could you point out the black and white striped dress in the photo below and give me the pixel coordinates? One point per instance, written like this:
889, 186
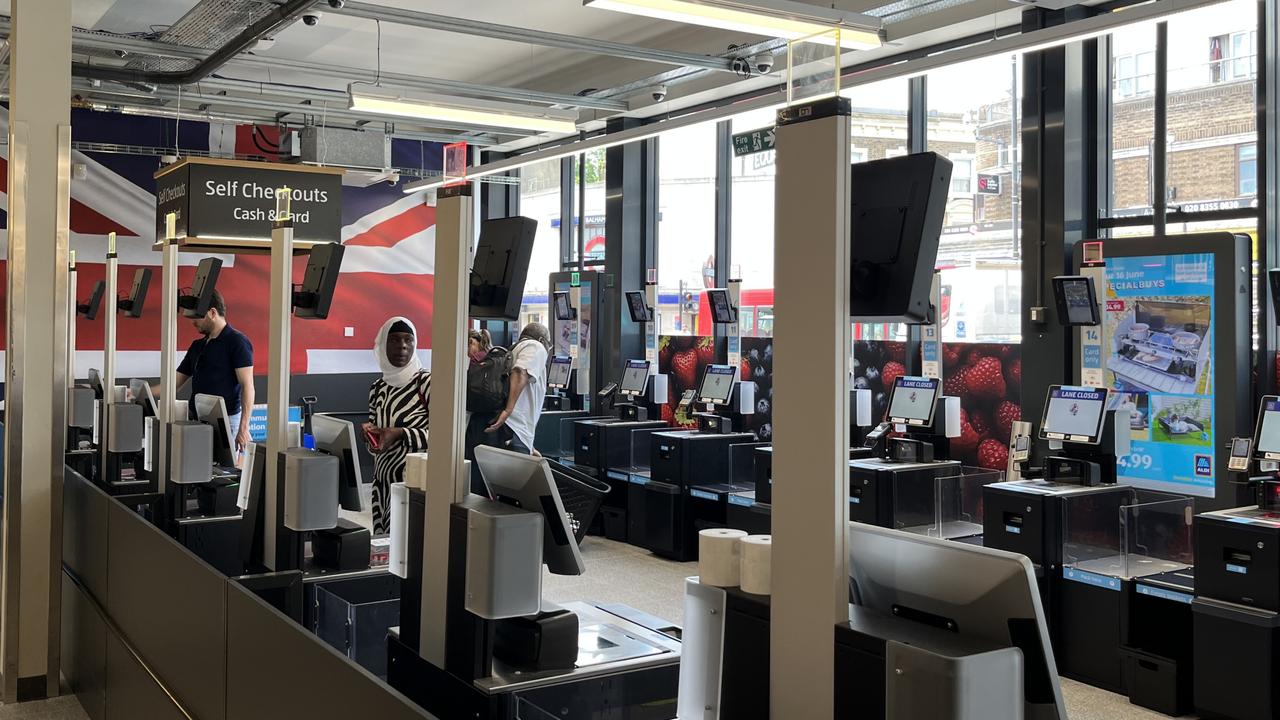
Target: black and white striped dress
403, 407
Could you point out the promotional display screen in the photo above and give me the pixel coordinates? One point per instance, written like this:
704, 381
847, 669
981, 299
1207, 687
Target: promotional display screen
558, 374
1074, 414
913, 400
635, 377
563, 311
1267, 445
717, 384
1157, 356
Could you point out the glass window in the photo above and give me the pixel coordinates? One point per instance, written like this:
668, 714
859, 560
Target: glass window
751, 218
590, 224
686, 225
961, 176
540, 200
1247, 169
1132, 123
973, 120
1212, 118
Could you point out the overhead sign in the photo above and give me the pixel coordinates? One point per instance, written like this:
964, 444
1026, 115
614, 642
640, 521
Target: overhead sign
215, 198
753, 141
988, 184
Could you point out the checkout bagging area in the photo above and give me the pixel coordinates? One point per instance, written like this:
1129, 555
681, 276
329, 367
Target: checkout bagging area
1128, 541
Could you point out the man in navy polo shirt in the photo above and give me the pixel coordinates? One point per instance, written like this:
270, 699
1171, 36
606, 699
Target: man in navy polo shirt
221, 363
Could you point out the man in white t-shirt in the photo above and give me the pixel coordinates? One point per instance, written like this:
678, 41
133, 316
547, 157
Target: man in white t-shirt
528, 387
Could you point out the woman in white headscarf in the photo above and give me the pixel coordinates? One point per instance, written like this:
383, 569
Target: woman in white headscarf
397, 412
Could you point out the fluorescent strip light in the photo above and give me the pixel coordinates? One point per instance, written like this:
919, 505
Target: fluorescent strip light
1034, 41
465, 110
773, 18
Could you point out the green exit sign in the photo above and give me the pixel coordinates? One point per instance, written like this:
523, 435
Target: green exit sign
574, 280
753, 141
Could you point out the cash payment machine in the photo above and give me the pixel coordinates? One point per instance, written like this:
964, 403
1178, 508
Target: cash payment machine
683, 462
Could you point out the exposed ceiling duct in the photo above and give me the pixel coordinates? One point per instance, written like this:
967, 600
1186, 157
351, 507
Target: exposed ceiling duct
268, 24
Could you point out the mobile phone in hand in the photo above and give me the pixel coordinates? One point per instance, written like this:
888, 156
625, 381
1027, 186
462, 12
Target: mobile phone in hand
371, 439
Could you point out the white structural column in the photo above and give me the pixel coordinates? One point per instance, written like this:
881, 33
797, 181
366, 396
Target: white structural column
36, 353
109, 294
811, 399
447, 480
168, 347
277, 376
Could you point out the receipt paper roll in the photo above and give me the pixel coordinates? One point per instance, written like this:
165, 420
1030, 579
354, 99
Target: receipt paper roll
718, 560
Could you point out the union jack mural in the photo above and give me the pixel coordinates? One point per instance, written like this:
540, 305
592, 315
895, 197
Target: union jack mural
387, 268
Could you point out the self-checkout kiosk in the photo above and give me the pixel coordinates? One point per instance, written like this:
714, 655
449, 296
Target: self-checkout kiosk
123, 429
476, 638
613, 448
659, 516
82, 400
1236, 610
907, 482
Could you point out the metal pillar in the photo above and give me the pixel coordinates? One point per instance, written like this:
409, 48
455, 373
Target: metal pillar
631, 189
447, 478
811, 347
36, 354
1268, 244
281, 301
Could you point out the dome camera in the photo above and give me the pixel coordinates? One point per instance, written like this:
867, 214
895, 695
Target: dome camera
658, 93
762, 62
312, 19
337, 4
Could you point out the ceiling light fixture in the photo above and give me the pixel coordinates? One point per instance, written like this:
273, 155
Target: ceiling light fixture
442, 108
786, 19
1033, 41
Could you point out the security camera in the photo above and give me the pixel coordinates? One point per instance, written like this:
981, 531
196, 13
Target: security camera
762, 62
337, 4
658, 93
312, 19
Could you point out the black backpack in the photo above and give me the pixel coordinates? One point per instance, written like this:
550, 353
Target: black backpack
487, 382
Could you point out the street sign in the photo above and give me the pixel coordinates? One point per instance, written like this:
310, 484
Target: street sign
753, 141
988, 184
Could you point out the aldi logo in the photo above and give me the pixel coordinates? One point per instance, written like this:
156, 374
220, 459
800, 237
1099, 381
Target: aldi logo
1204, 466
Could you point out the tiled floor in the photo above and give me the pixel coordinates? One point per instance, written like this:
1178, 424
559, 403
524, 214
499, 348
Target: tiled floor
617, 572
61, 708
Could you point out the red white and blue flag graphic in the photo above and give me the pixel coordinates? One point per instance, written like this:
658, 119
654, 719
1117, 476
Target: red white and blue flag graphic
387, 268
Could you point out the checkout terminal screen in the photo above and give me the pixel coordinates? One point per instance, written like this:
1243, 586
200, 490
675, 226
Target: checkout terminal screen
717, 384
1080, 303
558, 375
1074, 414
913, 400
1268, 443
634, 377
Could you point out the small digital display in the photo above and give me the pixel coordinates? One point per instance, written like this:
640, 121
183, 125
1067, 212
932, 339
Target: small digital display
1074, 414
1022, 443
1077, 301
635, 378
721, 309
562, 309
639, 307
913, 400
717, 384
1267, 443
1240, 447
558, 374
